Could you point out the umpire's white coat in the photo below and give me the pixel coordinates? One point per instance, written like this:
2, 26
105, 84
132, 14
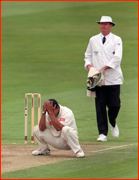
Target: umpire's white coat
108, 54
66, 139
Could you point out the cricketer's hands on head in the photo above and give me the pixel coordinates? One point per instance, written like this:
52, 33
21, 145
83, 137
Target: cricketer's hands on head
48, 106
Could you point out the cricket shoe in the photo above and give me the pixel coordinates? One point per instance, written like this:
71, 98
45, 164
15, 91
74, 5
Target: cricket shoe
40, 152
80, 154
102, 138
114, 131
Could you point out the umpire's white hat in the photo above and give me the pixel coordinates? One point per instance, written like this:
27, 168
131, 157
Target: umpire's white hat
106, 19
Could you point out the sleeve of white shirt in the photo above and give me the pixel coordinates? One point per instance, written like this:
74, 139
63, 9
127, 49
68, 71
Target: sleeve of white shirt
88, 55
117, 57
68, 119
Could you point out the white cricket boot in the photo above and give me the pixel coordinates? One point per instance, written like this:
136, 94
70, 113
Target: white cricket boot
102, 138
39, 152
114, 131
80, 153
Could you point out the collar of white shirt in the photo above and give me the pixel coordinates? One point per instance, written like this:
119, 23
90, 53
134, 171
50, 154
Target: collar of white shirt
107, 37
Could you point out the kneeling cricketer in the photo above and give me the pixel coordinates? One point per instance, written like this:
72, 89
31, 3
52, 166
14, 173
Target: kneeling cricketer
57, 127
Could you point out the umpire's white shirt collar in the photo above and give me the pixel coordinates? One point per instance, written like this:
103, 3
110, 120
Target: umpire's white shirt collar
107, 37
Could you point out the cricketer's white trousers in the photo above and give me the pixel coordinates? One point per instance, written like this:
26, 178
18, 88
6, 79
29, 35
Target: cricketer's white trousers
67, 140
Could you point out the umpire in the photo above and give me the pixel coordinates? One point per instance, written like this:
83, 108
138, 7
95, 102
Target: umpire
104, 52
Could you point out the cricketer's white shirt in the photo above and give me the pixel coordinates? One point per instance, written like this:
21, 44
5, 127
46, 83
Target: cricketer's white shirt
108, 54
65, 117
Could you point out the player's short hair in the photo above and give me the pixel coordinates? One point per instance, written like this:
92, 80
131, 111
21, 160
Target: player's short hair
54, 102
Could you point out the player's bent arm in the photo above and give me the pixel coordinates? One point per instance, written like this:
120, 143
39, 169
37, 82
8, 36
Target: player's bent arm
42, 125
57, 125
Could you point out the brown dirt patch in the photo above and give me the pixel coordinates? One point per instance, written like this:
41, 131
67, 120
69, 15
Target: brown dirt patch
17, 157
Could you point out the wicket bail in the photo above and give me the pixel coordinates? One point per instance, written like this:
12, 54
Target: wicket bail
32, 113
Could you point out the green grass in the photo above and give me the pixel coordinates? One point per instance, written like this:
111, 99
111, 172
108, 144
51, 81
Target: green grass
42, 50
98, 166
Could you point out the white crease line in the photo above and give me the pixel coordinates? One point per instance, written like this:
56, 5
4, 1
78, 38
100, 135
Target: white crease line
115, 147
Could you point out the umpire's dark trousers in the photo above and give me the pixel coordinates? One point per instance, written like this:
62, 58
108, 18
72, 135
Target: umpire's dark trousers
107, 97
